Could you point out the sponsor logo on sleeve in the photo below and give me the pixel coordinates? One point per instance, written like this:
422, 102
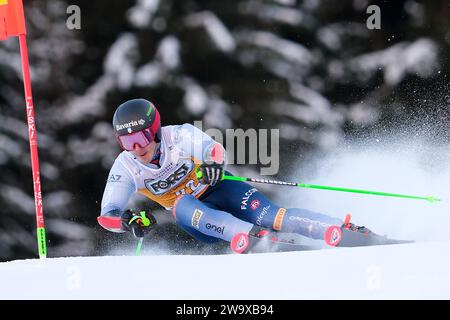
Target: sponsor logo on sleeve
278, 221
114, 178
196, 218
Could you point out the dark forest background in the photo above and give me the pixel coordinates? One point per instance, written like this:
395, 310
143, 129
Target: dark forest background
309, 68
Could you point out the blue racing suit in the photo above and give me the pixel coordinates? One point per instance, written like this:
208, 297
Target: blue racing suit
206, 212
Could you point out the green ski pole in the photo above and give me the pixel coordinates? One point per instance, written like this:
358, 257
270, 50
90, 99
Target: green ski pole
139, 246
312, 186
145, 223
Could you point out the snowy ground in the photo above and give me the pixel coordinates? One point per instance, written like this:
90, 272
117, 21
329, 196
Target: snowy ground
411, 271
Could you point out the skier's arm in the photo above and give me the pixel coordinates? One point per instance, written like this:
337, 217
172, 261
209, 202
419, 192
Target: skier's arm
119, 188
194, 142
203, 148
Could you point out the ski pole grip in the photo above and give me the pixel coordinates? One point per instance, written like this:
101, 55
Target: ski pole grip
145, 220
198, 173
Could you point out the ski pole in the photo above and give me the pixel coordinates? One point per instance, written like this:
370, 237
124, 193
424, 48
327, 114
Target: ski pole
312, 186
145, 222
139, 247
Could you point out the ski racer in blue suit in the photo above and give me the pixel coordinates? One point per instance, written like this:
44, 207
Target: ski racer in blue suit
180, 167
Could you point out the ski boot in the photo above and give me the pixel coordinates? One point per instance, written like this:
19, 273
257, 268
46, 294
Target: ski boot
351, 235
260, 240
245, 243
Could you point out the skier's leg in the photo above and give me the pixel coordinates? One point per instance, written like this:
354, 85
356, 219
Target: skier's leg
247, 203
304, 222
197, 218
198, 235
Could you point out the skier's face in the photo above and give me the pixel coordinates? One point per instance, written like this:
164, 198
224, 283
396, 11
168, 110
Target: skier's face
145, 154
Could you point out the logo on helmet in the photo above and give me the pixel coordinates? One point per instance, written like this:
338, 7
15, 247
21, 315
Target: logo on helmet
130, 124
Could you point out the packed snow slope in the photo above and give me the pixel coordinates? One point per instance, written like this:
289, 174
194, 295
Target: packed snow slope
409, 271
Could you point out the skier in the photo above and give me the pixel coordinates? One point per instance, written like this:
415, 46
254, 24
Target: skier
180, 167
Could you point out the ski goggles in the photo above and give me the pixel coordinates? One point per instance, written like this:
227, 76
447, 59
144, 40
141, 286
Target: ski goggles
142, 138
